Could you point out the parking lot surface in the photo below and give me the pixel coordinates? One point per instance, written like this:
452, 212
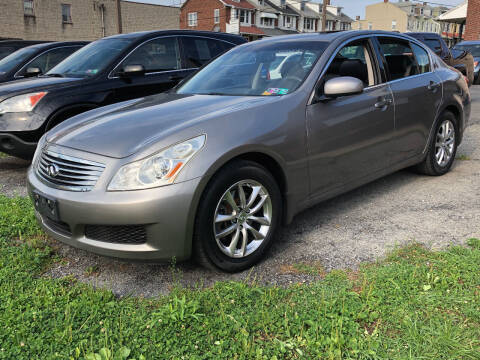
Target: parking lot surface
359, 226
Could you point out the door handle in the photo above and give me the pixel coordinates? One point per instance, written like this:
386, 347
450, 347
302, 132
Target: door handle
383, 103
433, 86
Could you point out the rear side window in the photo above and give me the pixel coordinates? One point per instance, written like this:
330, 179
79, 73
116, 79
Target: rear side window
156, 55
198, 51
51, 58
422, 58
400, 59
434, 44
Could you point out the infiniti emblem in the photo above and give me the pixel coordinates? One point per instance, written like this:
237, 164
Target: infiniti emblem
53, 170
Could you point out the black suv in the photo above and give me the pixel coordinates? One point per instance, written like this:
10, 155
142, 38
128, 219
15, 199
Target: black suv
35, 60
109, 70
9, 46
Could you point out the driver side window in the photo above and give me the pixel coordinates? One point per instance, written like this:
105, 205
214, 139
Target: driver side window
353, 60
156, 55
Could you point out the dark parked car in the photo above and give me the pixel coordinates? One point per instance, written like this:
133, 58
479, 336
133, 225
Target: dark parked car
460, 60
110, 70
474, 48
213, 167
9, 46
36, 60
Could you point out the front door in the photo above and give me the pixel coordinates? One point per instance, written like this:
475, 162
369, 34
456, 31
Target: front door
417, 94
349, 137
161, 60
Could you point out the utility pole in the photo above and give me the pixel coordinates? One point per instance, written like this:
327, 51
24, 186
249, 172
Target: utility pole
119, 18
324, 14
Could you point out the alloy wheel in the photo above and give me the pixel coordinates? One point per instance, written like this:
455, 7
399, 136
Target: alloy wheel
242, 218
445, 143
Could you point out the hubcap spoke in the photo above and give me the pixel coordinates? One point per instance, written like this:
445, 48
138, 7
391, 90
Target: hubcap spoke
259, 205
227, 231
445, 144
233, 245
231, 201
260, 220
241, 195
253, 195
243, 249
257, 235
222, 218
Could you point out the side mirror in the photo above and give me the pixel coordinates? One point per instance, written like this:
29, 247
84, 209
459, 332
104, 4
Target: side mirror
33, 71
132, 70
342, 86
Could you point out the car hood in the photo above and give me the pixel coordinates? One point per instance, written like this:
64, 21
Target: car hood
24, 86
123, 129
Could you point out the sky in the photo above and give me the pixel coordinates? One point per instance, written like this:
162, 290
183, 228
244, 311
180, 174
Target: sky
350, 7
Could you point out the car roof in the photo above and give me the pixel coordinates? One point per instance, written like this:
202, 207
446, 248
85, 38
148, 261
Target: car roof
144, 35
423, 34
333, 36
469, 42
55, 44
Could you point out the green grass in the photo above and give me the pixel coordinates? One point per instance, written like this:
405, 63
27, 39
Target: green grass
3, 155
463, 157
415, 304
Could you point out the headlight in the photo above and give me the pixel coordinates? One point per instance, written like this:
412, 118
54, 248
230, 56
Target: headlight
21, 103
157, 170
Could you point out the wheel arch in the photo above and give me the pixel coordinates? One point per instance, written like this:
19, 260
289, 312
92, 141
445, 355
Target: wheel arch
68, 111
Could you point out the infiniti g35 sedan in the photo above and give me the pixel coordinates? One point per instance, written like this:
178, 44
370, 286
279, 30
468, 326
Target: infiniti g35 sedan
214, 167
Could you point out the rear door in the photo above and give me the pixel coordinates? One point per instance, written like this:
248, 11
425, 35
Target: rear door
417, 95
349, 137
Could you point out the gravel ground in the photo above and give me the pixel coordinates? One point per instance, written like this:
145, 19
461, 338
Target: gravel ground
360, 226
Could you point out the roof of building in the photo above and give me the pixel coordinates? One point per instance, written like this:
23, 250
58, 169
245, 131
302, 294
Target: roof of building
458, 13
278, 32
309, 13
251, 30
241, 4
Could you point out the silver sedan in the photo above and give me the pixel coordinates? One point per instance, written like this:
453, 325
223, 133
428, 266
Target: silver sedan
214, 167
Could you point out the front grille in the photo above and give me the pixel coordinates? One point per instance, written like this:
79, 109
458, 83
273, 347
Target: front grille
58, 226
125, 234
67, 172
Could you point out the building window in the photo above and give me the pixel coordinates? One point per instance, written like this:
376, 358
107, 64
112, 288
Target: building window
268, 22
394, 25
192, 19
370, 26
421, 11
302, 6
66, 13
287, 21
28, 8
308, 24
216, 16
244, 16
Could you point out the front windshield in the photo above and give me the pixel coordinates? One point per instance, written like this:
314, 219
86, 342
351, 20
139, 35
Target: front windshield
91, 59
16, 58
257, 69
474, 49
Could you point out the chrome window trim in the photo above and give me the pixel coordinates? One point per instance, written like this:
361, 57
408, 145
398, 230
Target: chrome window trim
339, 47
111, 76
16, 76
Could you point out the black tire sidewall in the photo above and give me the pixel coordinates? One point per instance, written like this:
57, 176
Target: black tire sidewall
204, 234
440, 170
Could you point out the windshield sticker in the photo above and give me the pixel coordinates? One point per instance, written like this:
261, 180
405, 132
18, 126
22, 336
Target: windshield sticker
92, 71
276, 91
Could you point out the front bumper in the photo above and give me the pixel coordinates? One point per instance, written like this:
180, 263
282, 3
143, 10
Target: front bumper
167, 212
13, 145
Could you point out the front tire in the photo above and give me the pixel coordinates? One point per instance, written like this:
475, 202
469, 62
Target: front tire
237, 218
442, 148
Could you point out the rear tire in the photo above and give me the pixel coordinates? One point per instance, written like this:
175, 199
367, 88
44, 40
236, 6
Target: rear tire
245, 202
442, 147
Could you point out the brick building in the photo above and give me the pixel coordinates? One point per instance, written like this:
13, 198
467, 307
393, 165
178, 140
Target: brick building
58, 20
472, 31
255, 19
